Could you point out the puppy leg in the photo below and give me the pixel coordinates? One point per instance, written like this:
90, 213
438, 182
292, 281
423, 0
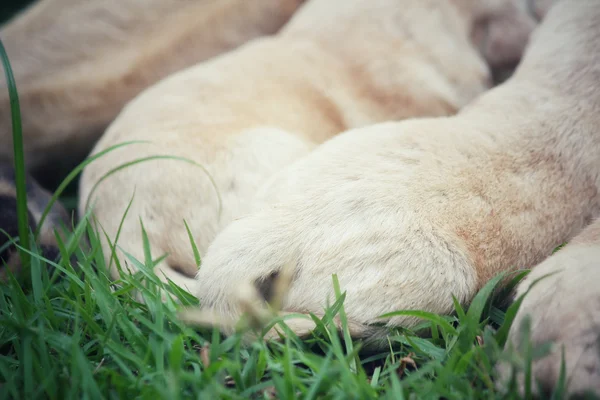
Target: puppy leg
77, 63
564, 308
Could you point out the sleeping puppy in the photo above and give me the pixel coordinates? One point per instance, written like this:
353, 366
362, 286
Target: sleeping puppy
77, 63
408, 214
37, 201
241, 117
564, 307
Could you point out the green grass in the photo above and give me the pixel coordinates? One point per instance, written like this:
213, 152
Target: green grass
78, 334
68, 331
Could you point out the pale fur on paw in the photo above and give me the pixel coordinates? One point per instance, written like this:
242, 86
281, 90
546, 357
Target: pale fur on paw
562, 302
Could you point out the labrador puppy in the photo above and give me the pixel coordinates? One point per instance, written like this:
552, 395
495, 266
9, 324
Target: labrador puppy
237, 119
77, 63
409, 214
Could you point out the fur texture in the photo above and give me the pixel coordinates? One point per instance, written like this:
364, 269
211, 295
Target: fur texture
248, 114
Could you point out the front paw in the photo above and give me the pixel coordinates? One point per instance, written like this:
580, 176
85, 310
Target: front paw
561, 310
364, 222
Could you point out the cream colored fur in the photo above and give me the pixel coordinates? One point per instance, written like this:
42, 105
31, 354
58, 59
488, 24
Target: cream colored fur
77, 63
248, 114
409, 213
564, 307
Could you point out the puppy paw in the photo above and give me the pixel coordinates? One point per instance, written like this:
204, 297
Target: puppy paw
562, 310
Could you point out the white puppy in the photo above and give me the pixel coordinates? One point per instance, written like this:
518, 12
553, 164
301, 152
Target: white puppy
246, 115
409, 214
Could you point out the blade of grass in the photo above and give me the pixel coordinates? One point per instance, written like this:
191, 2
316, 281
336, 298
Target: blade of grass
344, 322
19, 161
197, 257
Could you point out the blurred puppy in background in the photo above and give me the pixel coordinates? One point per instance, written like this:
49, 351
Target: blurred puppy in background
76, 64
